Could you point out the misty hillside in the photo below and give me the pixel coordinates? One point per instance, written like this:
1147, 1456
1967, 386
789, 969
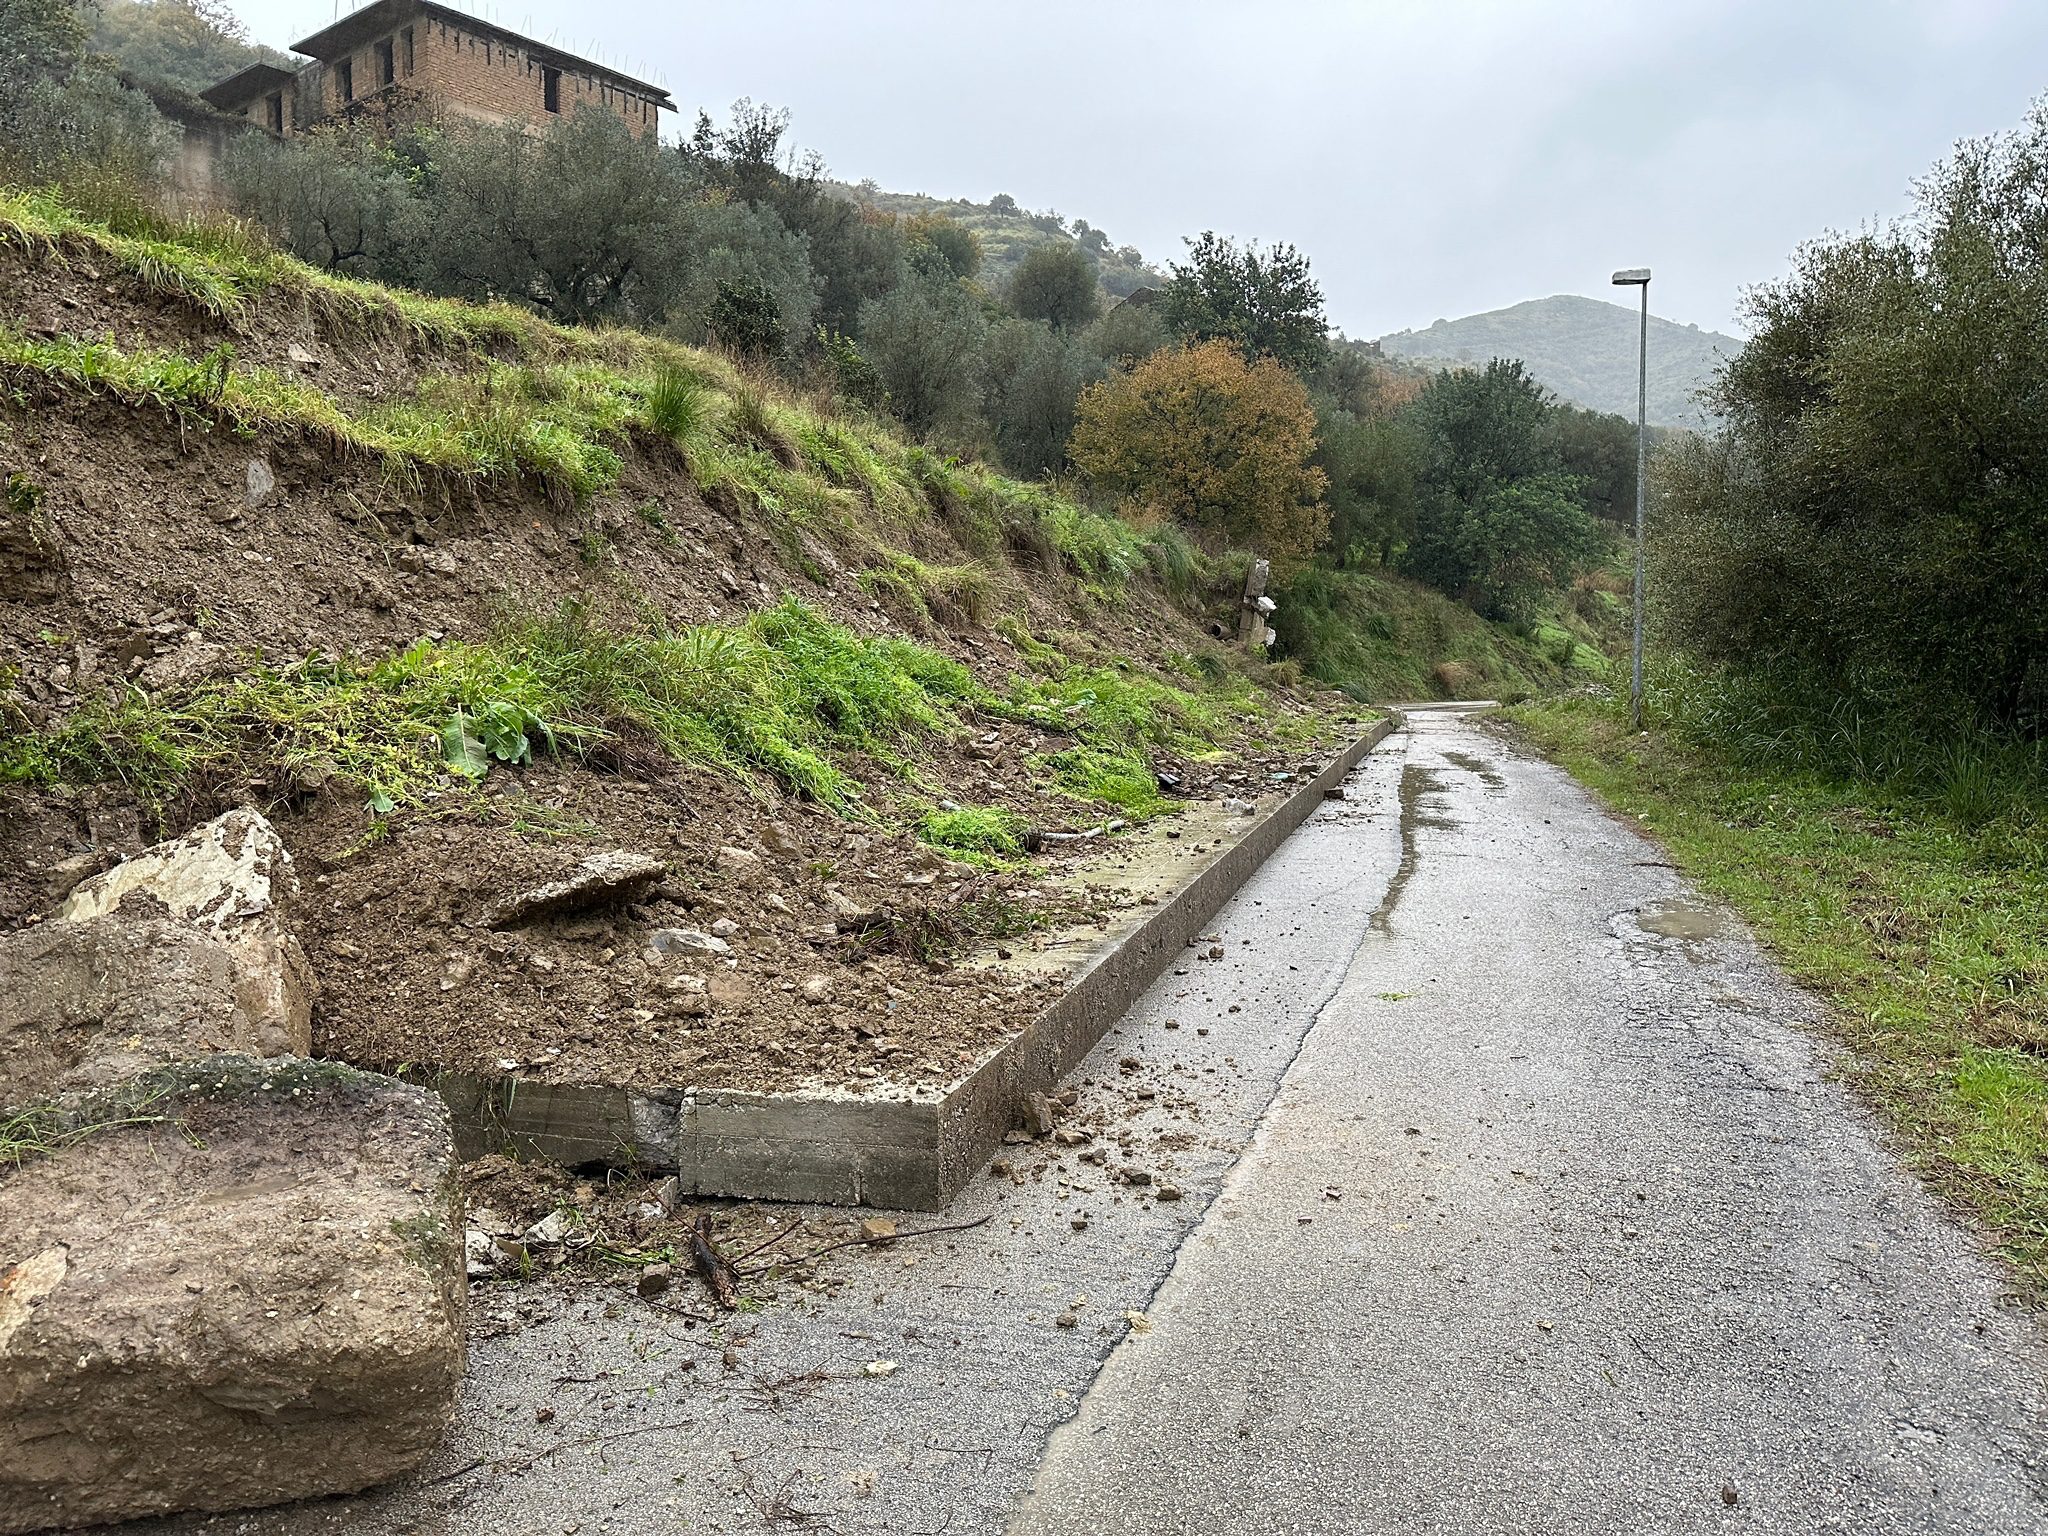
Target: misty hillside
1585, 350
1007, 230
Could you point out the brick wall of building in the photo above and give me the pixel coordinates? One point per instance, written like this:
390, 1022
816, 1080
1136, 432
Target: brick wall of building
477, 74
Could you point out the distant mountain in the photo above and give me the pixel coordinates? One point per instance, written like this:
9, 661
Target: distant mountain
1584, 350
1007, 231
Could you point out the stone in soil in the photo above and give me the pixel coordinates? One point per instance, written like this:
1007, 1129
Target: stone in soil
602, 878
233, 879
256, 1298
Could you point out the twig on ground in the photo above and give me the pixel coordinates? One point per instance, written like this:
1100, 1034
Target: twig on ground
719, 1276
891, 1237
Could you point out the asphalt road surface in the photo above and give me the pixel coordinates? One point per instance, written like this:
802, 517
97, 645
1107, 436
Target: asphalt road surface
1516, 1198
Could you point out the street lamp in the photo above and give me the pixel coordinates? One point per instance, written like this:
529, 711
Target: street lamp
1639, 277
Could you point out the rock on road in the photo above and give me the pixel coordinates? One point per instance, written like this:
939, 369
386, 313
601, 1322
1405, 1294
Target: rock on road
1557, 1224
1516, 1199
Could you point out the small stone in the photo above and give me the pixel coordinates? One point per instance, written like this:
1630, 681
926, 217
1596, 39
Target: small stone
302, 356
1138, 1176
879, 1368
1067, 1137
738, 861
776, 837
1066, 1320
258, 481
1167, 1192
1041, 1113
671, 941
999, 1169
551, 1228
1079, 1223
654, 1279
816, 989
1215, 951
1017, 1138
877, 1229
1234, 807
724, 928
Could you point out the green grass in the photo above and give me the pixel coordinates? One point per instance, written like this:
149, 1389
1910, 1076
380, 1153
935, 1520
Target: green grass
785, 693
1911, 893
974, 829
519, 396
1380, 637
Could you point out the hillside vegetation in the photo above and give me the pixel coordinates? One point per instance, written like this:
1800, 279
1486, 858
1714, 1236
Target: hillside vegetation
1585, 350
1008, 232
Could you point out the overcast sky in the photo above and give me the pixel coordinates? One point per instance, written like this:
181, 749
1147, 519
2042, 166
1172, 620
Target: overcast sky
1433, 157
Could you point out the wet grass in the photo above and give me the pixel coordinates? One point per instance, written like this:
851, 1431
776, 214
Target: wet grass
785, 697
1916, 908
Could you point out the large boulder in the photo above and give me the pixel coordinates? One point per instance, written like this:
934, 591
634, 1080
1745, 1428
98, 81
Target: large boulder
227, 1283
93, 1003
233, 879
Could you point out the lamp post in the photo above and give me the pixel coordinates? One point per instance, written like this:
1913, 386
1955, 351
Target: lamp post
1639, 277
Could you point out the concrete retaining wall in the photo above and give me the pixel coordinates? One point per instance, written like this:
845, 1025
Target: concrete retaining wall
909, 1149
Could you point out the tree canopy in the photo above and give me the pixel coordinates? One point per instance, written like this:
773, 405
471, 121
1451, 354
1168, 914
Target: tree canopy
1874, 519
1220, 446
1264, 303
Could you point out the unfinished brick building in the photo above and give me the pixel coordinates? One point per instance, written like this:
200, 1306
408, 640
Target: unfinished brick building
403, 60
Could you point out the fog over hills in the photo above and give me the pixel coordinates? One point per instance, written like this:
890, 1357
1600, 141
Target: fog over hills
1585, 350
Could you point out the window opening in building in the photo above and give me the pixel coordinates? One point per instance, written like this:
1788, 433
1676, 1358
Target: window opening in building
551, 89
387, 70
405, 48
345, 80
273, 111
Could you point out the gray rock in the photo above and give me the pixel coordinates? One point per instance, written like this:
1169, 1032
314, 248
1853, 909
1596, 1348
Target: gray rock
259, 482
191, 663
258, 1297
1041, 1114
603, 877
232, 878
816, 989
677, 941
89, 1004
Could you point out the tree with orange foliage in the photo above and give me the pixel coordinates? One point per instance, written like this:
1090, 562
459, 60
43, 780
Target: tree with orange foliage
1218, 445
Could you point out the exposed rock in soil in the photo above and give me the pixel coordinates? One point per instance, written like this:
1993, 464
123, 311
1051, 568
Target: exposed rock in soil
231, 878
90, 1004
252, 1292
601, 878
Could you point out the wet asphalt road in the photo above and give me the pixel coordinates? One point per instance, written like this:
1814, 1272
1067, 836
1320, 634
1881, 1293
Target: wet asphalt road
1515, 1200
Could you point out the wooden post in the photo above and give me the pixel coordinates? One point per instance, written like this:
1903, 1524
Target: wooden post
1251, 620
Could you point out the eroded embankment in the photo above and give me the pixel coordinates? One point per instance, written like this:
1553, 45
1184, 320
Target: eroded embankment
459, 599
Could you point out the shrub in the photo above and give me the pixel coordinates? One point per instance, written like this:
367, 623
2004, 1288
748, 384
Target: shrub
1213, 443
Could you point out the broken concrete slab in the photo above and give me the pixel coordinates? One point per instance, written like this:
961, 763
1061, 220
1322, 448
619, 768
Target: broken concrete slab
603, 877
90, 1004
233, 879
230, 1283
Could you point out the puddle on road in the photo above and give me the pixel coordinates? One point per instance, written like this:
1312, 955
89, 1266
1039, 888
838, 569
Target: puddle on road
1478, 767
1671, 922
1418, 785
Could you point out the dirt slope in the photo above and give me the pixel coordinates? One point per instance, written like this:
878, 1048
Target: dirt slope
271, 539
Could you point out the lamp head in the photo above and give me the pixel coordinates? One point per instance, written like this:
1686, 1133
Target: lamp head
1630, 277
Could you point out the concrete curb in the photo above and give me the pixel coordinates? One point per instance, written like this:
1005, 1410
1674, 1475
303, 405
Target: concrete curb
908, 1149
